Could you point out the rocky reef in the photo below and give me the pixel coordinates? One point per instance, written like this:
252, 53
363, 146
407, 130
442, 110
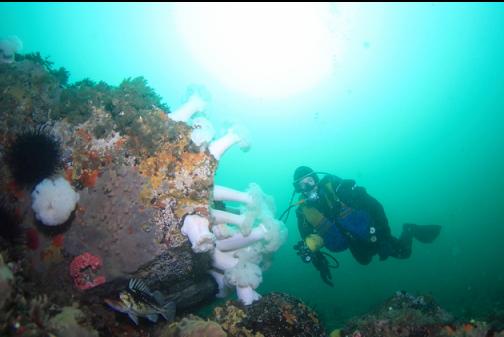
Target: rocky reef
406, 314
136, 172
275, 314
101, 185
131, 165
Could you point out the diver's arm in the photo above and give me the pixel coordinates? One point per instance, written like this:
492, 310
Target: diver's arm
345, 188
322, 265
318, 259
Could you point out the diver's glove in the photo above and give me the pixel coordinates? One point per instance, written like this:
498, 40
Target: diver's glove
317, 258
303, 251
320, 262
314, 242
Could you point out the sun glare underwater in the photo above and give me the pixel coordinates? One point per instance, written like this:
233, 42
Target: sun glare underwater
274, 51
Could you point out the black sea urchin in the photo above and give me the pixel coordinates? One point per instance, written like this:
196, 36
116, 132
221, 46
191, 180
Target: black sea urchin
33, 156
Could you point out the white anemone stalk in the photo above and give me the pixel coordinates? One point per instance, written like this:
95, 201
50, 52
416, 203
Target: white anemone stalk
223, 260
234, 135
222, 193
221, 145
247, 294
222, 231
193, 105
224, 289
238, 240
196, 228
243, 221
246, 277
202, 132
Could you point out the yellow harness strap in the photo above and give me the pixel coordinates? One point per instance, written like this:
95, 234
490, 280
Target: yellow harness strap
313, 216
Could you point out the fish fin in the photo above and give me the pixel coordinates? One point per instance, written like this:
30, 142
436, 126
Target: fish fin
133, 317
152, 317
159, 297
169, 310
116, 305
139, 285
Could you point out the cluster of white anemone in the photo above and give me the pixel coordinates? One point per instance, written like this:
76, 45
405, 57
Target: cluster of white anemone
240, 241
203, 132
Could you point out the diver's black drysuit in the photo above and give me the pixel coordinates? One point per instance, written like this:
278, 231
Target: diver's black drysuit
338, 195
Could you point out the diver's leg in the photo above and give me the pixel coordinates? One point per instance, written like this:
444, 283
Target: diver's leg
401, 248
375, 209
398, 248
361, 252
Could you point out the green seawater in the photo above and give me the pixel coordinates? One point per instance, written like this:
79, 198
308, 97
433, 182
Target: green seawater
414, 112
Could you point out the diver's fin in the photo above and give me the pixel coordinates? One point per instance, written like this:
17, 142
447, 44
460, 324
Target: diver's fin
152, 317
133, 317
424, 233
168, 311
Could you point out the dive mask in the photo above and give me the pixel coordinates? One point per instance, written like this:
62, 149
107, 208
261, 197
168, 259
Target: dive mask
307, 187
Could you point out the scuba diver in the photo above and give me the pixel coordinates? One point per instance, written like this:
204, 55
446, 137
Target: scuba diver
336, 214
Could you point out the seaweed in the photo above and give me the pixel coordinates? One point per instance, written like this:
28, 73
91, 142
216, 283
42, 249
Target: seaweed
30, 90
36, 93
35, 58
133, 108
62, 75
78, 100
